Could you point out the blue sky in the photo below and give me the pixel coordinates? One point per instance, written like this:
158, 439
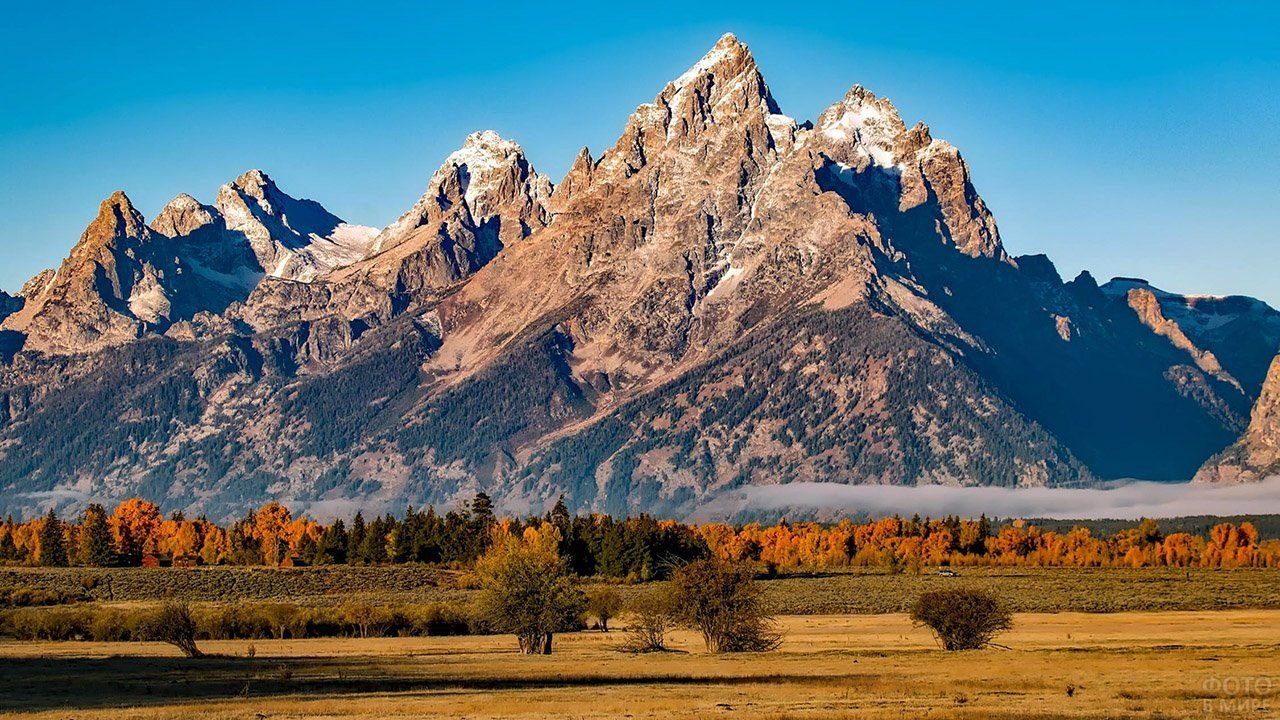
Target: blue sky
1126, 138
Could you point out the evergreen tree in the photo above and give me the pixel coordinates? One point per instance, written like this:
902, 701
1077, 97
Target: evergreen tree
482, 522
307, 549
355, 539
8, 548
482, 511
333, 545
560, 515
53, 549
373, 550
97, 547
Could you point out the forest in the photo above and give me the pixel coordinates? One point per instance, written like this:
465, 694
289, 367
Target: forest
137, 533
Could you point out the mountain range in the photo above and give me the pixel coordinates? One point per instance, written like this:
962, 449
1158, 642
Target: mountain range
724, 297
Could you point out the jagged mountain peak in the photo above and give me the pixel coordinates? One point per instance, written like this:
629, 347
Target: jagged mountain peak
183, 215
484, 162
37, 283
864, 129
721, 106
485, 143
727, 59
488, 175
119, 225
293, 239
255, 182
117, 218
726, 80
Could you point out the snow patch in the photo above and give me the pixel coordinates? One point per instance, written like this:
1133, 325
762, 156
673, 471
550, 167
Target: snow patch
727, 281
871, 128
148, 301
482, 155
718, 54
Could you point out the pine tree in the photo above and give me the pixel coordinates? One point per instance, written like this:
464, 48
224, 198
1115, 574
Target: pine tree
333, 545
53, 549
8, 548
97, 547
355, 539
482, 511
560, 515
308, 548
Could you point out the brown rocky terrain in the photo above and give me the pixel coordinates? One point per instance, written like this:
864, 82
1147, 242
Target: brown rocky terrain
725, 296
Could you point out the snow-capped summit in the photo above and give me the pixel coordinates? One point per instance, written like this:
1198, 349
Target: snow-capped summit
292, 239
486, 177
867, 126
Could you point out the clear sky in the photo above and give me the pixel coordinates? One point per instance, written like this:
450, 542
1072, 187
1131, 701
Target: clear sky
1126, 138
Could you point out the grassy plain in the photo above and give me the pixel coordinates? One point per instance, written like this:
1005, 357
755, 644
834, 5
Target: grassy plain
1063, 665
854, 592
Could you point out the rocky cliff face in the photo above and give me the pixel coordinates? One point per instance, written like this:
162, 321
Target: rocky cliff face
115, 284
723, 297
1239, 334
1256, 455
126, 279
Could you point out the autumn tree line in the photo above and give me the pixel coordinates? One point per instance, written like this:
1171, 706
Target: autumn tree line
135, 532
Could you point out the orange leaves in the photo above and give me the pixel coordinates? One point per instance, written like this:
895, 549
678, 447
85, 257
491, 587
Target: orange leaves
134, 525
271, 534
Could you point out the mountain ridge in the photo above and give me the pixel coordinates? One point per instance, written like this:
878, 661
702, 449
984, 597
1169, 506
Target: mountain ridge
724, 297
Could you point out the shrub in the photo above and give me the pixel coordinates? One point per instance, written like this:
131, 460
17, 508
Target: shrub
283, 620
962, 619
603, 603
255, 621
31, 597
526, 590
174, 623
441, 620
234, 622
722, 601
363, 619
651, 618
109, 625
60, 623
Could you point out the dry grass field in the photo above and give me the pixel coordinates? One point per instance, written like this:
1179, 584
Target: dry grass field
853, 592
1069, 665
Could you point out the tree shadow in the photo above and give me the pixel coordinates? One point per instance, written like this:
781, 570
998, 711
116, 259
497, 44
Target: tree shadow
44, 684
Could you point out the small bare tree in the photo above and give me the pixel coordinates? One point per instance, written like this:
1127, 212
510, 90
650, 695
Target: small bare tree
174, 623
962, 619
651, 619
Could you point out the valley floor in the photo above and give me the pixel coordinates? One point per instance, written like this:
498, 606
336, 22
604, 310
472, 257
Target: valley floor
1073, 665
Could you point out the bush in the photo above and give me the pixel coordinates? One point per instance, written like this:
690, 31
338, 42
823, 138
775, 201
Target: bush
651, 618
962, 619
233, 622
108, 625
437, 620
526, 591
723, 601
32, 597
174, 623
603, 603
258, 621
47, 623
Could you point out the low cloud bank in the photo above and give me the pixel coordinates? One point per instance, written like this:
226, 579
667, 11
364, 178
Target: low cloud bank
1120, 500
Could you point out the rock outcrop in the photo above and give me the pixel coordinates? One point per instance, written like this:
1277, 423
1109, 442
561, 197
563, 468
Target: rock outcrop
113, 286
1256, 455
